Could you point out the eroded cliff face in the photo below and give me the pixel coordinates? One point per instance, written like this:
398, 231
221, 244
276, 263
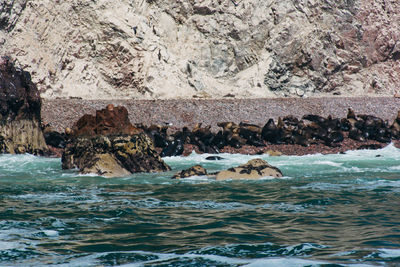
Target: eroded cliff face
151, 49
20, 107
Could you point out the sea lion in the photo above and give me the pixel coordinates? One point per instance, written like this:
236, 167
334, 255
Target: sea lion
174, 148
356, 134
219, 139
270, 132
251, 127
395, 127
227, 126
298, 139
214, 158
158, 139
334, 137
314, 118
234, 140
290, 120
345, 124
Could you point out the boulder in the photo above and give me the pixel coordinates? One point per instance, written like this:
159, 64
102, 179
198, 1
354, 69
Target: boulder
113, 155
254, 169
20, 105
196, 170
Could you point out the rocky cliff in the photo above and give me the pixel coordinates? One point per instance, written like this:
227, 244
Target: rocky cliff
20, 119
158, 49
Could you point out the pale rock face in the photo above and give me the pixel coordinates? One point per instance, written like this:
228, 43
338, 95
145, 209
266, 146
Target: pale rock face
253, 169
160, 49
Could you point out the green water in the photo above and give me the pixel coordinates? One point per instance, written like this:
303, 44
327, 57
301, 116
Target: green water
332, 210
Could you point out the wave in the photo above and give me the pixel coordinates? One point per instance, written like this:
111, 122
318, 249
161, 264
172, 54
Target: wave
144, 258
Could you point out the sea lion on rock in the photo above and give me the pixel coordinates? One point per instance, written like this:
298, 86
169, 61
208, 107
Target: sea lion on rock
395, 127
314, 118
227, 126
219, 140
345, 124
253, 169
196, 170
251, 134
270, 132
333, 138
351, 117
174, 148
250, 127
234, 140
356, 134
290, 120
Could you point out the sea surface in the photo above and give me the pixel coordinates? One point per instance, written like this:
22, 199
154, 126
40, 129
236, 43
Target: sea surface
328, 210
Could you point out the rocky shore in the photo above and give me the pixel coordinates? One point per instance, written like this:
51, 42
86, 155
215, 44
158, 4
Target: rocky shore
62, 113
176, 114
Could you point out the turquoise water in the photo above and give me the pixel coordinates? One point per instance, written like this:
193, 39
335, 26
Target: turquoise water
328, 210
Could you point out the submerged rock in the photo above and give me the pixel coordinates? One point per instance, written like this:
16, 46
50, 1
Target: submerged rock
20, 105
113, 156
253, 169
196, 170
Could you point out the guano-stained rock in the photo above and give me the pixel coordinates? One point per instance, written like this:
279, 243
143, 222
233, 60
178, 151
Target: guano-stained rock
253, 169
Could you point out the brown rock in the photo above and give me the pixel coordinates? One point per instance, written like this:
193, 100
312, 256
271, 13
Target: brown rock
111, 120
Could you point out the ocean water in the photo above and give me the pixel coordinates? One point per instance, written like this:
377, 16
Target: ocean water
328, 210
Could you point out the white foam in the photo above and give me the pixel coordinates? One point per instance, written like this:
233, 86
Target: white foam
293, 262
4, 245
86, 197
389, 253
50, 233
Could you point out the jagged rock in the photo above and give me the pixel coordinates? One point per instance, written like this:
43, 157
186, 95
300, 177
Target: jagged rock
20, 104
111, 120
196, 170
253, 169
109, 145
257, 48
113, 156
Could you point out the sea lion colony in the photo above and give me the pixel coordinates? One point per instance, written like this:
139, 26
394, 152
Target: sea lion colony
311, 129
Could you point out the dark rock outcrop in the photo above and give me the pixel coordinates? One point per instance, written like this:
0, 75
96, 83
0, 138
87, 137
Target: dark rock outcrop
107, 144
20, 105
113, 156
196, 170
